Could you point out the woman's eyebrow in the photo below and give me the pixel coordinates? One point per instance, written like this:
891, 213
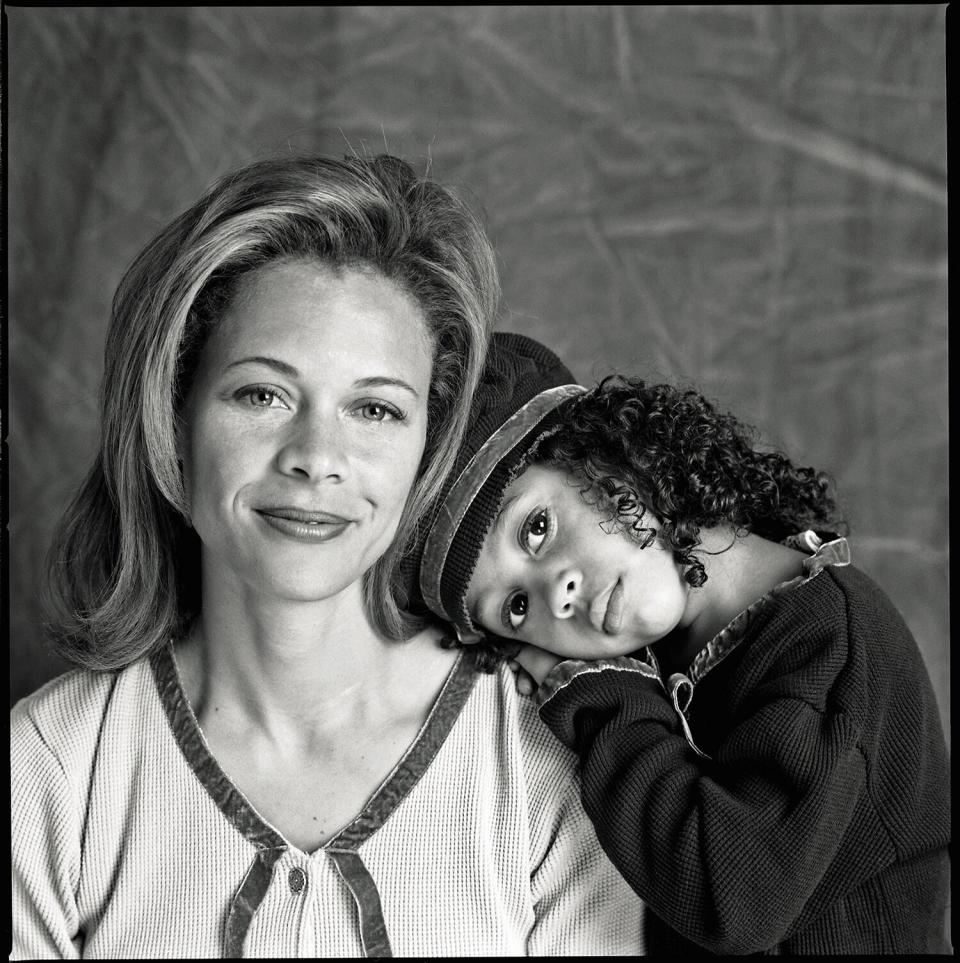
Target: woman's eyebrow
281, 366
288, 369
379, 382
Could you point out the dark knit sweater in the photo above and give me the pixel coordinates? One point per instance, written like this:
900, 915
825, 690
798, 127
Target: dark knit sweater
817, 821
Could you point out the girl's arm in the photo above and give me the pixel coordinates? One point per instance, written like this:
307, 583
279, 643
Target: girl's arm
728, 850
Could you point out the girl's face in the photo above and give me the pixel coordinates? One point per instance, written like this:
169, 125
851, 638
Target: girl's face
305, 426
549, 574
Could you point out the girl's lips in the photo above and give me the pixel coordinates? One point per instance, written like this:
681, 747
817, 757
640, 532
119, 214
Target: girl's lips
613, 618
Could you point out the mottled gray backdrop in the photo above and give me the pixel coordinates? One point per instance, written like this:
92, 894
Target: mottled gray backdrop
750, 198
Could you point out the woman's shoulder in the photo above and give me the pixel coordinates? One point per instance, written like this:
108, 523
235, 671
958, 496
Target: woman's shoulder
75, 693
64, 716
545, 760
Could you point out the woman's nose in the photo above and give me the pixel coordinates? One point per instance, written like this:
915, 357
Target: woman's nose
564, 592
315, 448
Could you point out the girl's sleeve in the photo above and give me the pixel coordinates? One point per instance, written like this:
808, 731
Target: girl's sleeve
728, 850
45, 849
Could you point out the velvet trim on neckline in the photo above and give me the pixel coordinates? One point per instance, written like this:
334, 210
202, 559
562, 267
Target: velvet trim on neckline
385, 799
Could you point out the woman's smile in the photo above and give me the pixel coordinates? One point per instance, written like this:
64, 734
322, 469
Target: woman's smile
306, 525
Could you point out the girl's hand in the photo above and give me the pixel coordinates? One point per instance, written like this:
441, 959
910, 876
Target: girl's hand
531, 665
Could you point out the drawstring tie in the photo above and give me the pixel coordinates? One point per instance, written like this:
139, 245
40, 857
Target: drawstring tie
681, 688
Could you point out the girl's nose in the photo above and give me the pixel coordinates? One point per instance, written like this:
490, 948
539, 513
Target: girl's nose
316, 448
564, 592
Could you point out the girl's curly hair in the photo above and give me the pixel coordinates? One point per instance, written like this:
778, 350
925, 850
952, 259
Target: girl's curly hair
668, 451
645, 450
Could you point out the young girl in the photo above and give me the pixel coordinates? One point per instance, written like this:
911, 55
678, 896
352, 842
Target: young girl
760, 748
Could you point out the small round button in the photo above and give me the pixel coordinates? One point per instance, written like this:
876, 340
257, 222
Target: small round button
297, 879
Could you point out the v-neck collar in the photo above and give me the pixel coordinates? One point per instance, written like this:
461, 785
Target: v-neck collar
378, 808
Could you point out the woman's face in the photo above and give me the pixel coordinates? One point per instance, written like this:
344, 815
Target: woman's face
550, 575
305, 425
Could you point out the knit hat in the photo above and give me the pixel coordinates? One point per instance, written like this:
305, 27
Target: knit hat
523, 389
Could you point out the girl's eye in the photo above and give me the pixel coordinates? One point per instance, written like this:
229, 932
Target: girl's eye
514, 611
261, 396
536, 527
380, 411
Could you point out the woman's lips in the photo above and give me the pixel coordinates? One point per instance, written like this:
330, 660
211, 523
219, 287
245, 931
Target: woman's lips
613, 618
305, 525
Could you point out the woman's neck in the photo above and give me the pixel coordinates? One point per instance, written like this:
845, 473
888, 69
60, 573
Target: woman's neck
291, 669
306, 708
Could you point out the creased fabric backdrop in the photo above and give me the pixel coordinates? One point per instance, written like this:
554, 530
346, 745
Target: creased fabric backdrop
749, 198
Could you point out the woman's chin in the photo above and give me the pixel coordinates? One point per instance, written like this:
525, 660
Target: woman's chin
302, 587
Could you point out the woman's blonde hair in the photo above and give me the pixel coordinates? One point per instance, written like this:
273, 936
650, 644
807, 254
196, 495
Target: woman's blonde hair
123, 571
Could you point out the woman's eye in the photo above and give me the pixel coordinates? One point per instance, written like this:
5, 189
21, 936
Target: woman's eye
514, 611
535, 529
262, 397
380, 411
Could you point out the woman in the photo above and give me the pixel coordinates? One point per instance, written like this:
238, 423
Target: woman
261, 754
